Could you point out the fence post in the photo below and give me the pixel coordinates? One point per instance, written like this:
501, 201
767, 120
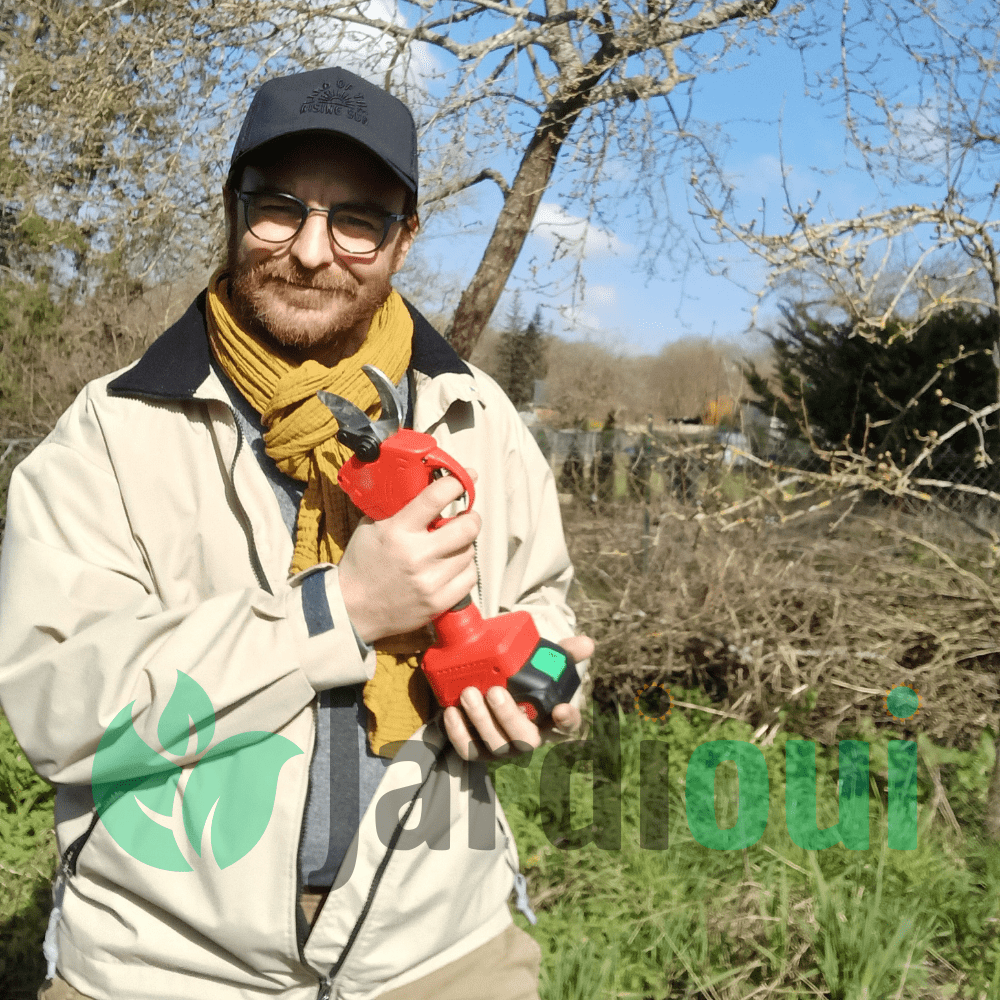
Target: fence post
645, 540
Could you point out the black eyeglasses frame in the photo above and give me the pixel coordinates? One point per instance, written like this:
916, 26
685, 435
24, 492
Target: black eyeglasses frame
389, 219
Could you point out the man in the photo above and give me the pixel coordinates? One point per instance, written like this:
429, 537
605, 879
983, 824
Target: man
180, 571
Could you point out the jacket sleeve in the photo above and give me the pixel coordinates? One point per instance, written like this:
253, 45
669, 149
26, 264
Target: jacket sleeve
538, 570
83, 632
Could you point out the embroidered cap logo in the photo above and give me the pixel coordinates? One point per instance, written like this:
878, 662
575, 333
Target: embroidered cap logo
236, 781
339, 100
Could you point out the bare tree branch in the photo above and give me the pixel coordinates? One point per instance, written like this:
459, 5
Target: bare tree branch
465, 183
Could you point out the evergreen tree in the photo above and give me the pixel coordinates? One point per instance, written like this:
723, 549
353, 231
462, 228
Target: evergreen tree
529, 361
868, 394
507, 348
521, 355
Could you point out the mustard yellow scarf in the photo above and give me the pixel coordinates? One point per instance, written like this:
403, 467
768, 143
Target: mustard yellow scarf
299, 434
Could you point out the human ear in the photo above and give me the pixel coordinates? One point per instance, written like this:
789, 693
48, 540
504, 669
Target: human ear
406, 237
229, 205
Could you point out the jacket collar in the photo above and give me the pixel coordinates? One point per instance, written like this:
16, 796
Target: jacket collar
178, 362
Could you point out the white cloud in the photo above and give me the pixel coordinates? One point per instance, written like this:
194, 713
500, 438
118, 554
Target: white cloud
371, 54
921, 135
582, 324
601, 295
568, 234
580, 321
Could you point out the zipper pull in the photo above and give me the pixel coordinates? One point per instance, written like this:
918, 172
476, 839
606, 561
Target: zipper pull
50, 945
521, 900
325, 989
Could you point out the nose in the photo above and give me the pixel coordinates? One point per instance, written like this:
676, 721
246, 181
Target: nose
312, 247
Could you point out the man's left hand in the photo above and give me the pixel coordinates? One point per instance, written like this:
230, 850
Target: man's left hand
494, 727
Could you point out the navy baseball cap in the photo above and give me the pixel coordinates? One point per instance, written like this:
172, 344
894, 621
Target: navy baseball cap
331, 101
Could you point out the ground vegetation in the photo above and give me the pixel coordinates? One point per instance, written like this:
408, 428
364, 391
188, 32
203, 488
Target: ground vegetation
761, 611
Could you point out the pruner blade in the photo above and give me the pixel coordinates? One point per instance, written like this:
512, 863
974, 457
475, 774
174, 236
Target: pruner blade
392, 402
357, 430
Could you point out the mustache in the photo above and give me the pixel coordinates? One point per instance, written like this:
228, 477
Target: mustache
288, 273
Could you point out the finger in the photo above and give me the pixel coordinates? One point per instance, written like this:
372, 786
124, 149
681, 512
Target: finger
580, 647
566, 718
481, 720
431, 501
461, 734
456, 536
499, 722
453, 589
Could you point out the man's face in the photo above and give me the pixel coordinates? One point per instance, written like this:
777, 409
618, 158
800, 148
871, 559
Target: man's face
306, 294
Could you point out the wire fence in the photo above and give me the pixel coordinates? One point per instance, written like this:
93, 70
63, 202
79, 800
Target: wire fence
618, 463
701, 463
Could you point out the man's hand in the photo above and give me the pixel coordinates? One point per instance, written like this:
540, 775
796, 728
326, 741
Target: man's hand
395, 575
485, 729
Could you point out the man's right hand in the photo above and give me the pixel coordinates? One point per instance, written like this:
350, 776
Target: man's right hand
395, 575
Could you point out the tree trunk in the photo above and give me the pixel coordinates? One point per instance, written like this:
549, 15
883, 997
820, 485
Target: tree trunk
482, 293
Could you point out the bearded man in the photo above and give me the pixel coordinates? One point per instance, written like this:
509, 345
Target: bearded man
215, 658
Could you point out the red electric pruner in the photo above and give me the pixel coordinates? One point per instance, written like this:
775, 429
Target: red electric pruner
389, 468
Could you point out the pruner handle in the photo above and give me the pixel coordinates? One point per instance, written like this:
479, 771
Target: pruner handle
436, 459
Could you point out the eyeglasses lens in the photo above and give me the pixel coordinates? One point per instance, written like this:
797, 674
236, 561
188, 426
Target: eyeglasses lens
274, 219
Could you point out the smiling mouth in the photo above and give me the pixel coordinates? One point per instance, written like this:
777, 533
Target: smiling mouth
312, 288
305, 288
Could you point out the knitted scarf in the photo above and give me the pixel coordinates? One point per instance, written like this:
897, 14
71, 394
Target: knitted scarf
299, 434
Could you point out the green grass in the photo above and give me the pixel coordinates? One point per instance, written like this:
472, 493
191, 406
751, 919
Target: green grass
770, 920
686, 921
27, 863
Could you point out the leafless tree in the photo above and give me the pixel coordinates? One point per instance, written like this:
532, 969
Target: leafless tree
589, 81
916, 87
917, 91
689, 374
585, 380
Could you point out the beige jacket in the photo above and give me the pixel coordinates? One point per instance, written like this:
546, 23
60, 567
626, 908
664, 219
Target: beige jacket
143, 539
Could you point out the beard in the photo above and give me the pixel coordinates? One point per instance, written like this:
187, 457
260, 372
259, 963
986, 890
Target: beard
332, 307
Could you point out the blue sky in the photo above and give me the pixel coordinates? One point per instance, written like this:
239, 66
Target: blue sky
763, 109
764, 116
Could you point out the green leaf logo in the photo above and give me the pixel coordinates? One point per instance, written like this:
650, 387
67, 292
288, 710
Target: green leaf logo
235, 783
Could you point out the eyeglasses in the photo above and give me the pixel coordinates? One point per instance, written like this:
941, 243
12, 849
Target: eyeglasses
278, 218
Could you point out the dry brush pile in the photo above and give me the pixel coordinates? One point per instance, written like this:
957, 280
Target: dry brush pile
818, 615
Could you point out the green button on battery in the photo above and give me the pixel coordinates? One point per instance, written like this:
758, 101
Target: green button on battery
549, 661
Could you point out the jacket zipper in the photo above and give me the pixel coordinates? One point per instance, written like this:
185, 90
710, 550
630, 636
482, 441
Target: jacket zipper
300, 939
326, 982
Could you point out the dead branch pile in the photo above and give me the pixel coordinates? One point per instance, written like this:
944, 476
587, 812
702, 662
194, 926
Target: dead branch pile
820, 614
